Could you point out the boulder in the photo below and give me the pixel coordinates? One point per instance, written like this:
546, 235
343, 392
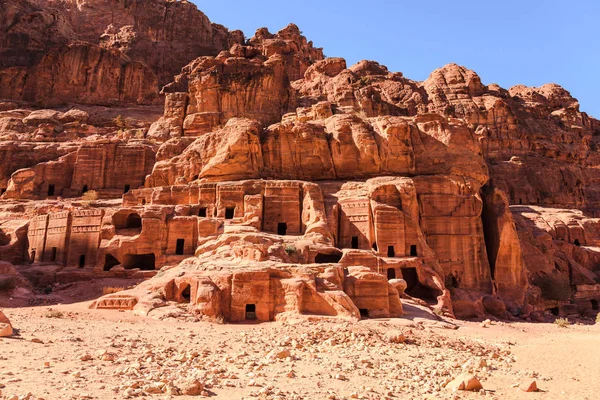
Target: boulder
465, 382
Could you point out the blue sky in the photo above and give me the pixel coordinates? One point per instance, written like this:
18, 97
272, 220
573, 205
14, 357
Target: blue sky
508, 42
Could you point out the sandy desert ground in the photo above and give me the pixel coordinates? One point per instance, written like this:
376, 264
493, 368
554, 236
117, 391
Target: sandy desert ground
70, 352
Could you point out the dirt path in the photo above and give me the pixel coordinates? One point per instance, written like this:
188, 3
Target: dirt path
85, 354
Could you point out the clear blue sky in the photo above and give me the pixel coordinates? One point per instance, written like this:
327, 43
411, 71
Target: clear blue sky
508, 42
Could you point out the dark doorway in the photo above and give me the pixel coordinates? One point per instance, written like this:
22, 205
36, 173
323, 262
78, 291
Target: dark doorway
594, 304
202, 212
82, 261
110, 261
413, 250
414, 288
50, 190
32, 259
282, 228
180, 247
521, 201
229, 213
250, 312
355, 242
133, 221
127, 188
391, 273
145, 262
333, 258
554, 311
374, 246
187, 294
576, 242
411, 277
53, 252
85, 189
391, 251
364, 313
2, 191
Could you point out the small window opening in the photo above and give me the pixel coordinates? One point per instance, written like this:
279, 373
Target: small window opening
202, 212
53, 254
355, 242
179, 248
282, 228
229, 213
576, 242
391, 273
413, 250
82, 261
50, 190
391, 251
250, 311
127, 188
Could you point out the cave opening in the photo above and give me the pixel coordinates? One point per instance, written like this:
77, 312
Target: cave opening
364, 313
110, 261
85, 189
144, 262
594, 305
133, 221
577, 242
126, 189
51, 189
186, 294
332, 258
491, 232
251, 312
415, 288
554, 311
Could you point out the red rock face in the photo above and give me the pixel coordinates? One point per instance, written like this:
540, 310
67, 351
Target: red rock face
282, 182
100, 51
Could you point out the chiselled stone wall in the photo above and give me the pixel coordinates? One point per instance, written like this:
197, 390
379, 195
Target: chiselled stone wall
84, 238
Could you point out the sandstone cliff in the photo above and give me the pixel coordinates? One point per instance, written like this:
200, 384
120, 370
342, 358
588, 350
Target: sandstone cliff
278, 181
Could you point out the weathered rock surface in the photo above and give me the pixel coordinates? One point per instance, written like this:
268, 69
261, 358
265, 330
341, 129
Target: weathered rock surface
100, 51
279, 182
5, 326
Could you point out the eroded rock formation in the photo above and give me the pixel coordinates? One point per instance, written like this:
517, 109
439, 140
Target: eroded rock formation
278, 182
